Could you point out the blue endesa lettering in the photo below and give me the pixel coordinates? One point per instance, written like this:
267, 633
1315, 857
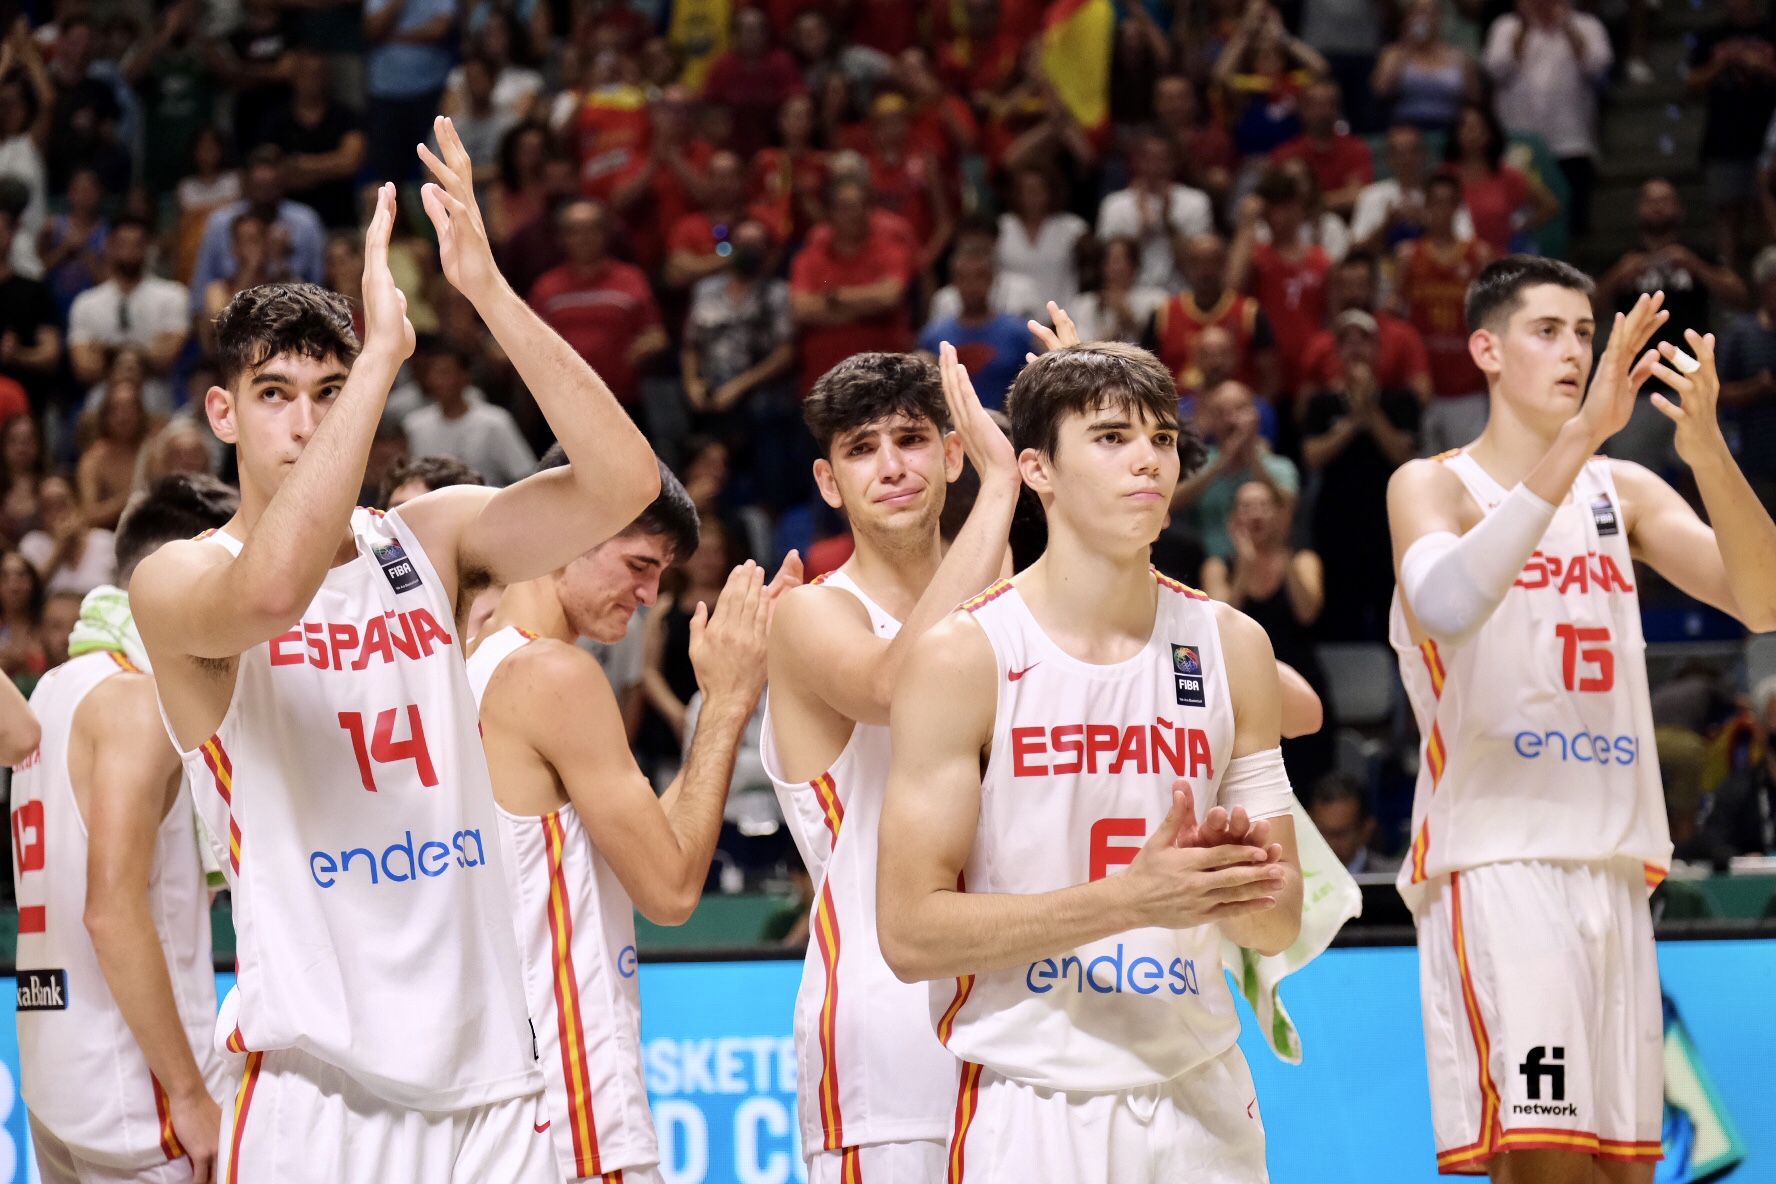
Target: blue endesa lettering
1107, 974
626, 961
400, 862
1588, 748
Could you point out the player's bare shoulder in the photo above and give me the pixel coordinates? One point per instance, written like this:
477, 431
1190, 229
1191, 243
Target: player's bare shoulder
1426, 493
159, 600
953, 663
544, 683
813, 608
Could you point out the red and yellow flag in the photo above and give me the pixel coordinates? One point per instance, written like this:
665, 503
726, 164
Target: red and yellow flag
1076, 43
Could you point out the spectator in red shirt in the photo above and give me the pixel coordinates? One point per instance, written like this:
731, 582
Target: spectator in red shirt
700, 243
1179, 326
791, 178
752, 80
1287, 277
906, 181
943, 123
848, 287
1342, 164
1400, 362
601, 306
609, 131
1496, 195
669, 182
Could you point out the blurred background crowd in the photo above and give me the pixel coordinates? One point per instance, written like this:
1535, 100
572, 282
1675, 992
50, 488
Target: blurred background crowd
713, 201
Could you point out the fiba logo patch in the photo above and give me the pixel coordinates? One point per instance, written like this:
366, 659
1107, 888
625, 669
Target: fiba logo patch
1603, 513
402, 576
1187, 675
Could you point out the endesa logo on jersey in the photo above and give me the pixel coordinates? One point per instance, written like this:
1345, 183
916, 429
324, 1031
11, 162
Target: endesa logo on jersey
341, 645
1113, 974
1582, 573
401, 862
1587, 748
1064, 749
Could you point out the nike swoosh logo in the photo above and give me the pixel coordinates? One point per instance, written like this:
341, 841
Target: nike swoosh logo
540, 1127
1017, 674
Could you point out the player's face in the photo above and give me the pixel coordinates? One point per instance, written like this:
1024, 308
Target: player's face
1542, 358
1111, 478
601, 590
890, 476
272, 412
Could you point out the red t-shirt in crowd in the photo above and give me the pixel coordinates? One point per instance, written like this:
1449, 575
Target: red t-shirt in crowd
1400, 357
1493, 201
653, 217
600, 315
611, 134
781, 182
752, 90
1292, 293
904, 187
695, 234
1341, 162
1435, 285
818, 268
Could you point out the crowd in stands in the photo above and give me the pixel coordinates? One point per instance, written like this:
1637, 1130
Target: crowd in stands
713, 202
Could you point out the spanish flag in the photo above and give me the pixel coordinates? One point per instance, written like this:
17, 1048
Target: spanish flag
1076, 39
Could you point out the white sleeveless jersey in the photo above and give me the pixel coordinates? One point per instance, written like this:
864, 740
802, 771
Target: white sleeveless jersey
1536, 732
83, 1075
348, 792
576, 935
869, 1068
1080, 773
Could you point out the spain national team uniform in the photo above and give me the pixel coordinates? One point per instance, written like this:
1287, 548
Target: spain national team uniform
1179, 322
576, 934
1538, 830
1438, 280
875, 1089
98, 1114
379, 1000
1117, 1061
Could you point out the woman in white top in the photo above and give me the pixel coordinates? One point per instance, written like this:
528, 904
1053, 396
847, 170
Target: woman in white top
70, 555
1117, 308
1037, 237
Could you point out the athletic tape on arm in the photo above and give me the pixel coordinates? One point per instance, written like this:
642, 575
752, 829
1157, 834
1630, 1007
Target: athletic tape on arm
1258, 782
1453, 583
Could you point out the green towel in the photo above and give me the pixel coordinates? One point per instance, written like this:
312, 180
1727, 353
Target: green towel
1329, 898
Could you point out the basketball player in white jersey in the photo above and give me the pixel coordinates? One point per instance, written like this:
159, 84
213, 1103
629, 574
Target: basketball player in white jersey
308, 666
1539, 823
117, 995
1063, 726
588, 843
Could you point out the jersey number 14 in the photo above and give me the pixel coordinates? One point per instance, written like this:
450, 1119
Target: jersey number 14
384, 749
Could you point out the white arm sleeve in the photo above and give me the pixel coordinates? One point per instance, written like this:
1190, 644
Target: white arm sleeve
1258, 782
1453, 583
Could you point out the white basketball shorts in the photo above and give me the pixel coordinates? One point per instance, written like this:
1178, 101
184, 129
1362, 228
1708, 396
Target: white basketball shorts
914, 1162
1543, 1028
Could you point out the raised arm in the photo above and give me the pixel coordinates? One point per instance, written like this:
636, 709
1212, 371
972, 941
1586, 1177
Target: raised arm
943, 719
193, 599
1730, 564
134, 774
544, 522
659, 848
1452, 572
19, 729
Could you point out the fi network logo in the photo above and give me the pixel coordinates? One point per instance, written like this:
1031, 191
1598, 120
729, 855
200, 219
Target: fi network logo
1545, 1062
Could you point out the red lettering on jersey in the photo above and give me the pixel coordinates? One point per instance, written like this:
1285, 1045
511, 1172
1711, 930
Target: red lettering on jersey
1111, 749
314, 632
1610, 577
429, 631
342, 645
1104, 854
1573, 573
341, 638
1577, 573
376, 641
404, 639
284, 657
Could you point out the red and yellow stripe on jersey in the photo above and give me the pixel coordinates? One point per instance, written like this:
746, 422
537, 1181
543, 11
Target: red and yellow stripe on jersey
1460, 1159
967, 1103
222, 771
243, 1099
826, 936
993, 592
1165, 581
124, 664
163, 1110
569, 1024
1436, 756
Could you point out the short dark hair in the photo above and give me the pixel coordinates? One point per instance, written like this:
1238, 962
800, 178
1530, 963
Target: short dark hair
1443, 180
178, 506
128, 221
434, 472
1278, 185
1078, 379
266, 154
868, 387
1497, 292
1339, 787
302, 319
671, 515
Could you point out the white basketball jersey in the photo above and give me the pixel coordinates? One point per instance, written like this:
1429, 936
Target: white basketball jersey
576, 935
869, 1068
1081, 770
349, 792
83, 1075
1536, 732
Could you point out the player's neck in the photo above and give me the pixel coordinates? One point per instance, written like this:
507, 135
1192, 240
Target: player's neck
532, 606
1511, 445
1087, 592
896, 571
